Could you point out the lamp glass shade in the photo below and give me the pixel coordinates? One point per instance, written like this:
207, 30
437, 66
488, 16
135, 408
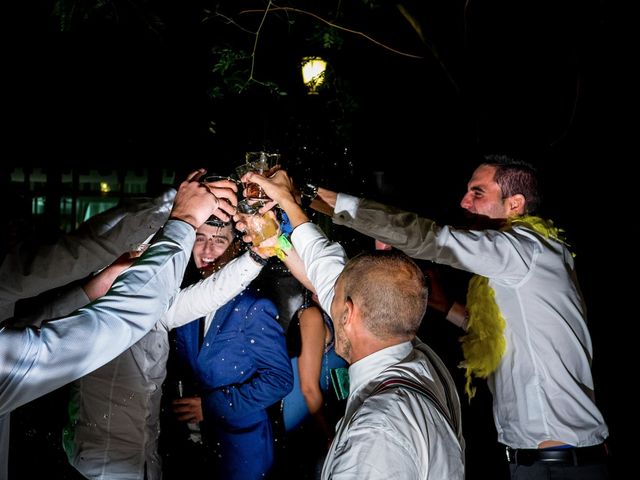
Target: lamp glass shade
313, 69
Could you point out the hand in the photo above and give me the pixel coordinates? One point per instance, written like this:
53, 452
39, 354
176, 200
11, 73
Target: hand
188, 409
261, 225
279, 187
225, 189
195, 202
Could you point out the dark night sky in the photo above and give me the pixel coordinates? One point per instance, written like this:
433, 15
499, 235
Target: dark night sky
532, 79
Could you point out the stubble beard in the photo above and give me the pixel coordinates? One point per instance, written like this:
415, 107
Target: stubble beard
343, 345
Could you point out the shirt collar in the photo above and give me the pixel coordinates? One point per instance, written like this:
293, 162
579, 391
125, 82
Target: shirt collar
361, 372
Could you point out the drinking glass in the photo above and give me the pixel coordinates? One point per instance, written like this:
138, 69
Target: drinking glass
258, 226
263, 163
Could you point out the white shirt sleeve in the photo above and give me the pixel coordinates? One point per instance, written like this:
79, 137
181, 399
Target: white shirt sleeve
323, 260
208, 295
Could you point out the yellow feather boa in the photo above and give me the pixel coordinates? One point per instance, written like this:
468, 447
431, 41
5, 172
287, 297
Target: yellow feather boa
484, 344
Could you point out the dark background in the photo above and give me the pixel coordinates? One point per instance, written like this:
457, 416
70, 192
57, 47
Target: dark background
129, 85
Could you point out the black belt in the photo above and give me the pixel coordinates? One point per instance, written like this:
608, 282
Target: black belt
572, 456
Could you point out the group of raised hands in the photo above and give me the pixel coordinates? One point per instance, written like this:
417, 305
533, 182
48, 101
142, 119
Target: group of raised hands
196, 201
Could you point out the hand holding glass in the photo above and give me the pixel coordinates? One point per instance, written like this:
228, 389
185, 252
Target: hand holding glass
266, 164
259, 227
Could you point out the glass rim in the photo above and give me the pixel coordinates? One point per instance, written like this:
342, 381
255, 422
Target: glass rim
206, 178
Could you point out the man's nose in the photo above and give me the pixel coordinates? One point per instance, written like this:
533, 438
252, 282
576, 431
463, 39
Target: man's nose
209, 245
466, 201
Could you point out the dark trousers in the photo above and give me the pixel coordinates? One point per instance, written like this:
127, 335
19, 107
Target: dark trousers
551, 471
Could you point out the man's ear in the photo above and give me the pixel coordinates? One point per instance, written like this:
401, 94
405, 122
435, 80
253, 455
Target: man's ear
348, 312
516, 204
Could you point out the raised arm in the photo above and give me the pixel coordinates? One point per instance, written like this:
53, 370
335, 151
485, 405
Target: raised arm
296, 266
323, 260
34, 362
27, 272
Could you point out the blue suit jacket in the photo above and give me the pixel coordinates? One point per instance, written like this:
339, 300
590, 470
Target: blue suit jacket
242, 368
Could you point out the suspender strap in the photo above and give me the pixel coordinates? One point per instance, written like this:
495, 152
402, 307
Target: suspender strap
399, 382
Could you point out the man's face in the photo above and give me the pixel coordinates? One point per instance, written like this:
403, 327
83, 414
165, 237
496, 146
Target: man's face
484, 196
211, 242
338, 314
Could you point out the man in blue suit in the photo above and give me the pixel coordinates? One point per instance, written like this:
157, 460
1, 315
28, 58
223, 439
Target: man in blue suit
238, 357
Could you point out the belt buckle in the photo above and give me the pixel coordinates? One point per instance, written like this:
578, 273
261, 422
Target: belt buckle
508, 452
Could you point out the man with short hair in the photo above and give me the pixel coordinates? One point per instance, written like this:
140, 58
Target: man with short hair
402, 413
527, 331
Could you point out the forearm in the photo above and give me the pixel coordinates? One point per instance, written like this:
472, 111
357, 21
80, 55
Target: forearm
295, 265
325, 201
315, 402
296, 214
235, 401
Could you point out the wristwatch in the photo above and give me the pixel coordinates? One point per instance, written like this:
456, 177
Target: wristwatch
308, 193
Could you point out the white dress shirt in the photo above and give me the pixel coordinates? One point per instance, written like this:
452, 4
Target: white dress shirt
543, 387
397, 433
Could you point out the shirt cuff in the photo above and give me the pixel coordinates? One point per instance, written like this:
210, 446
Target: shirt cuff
346, 203
458, 315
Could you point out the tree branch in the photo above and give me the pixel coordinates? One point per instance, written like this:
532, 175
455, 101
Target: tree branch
331, 24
